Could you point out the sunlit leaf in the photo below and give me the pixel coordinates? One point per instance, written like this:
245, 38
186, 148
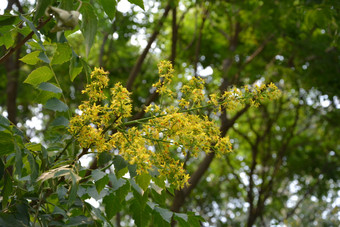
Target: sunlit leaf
39, 75
31, 58
62, 54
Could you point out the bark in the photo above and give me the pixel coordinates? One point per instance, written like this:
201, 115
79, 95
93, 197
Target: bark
138, 65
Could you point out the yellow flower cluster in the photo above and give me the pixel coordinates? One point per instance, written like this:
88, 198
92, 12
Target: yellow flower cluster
168, 133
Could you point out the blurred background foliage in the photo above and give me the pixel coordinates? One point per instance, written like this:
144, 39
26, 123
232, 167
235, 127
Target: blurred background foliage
285, 166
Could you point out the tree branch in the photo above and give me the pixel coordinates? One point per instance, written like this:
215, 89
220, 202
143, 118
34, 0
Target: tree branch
20, 44
138, 65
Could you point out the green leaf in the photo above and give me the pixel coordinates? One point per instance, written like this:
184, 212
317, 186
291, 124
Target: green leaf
44, 58
80, 220
109, 7
2, 169
132, 170
6, 190
97, 174
49, 87
116, 183
88, 25
33, 146
7, 20
40, 8
123, 191
143, 180
139, 213
6, 143
178, 216
100, 184
74, 188
33, 165
104, 157
87, 69
138, 3
39, 75
136, 187
111, 204
56, 105
60, 121
165, 214
7, 40
4, 121
31, 25
92, 191
31, 58
194, 220
62, 54
119, 163
75, 67
44, 96
66, 4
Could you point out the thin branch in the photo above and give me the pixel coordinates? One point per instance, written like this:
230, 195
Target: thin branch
137, 67
19, 45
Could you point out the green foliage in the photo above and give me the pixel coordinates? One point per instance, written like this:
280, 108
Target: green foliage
285, 144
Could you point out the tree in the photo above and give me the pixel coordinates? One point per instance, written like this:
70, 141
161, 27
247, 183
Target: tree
277, 145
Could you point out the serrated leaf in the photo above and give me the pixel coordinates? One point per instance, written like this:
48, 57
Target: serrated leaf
88, 25
111, 204
109, 7
56, 105
143, 181
49, 87
39, 75
139, 213
165, 214
75, 67
62, 54
138, 3
7, 40
31, 58
123, 191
